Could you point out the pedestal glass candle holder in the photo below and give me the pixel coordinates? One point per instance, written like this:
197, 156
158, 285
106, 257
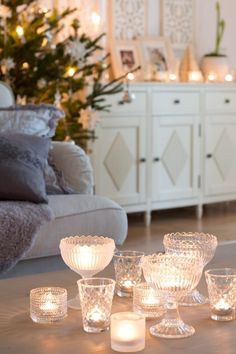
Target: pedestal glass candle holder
86, 255
147, 301
96, 296
128, 271
173, 276
221, 284
48, 304
191, 244
127, 332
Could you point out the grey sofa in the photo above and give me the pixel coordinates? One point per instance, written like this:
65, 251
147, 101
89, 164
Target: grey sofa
77, 214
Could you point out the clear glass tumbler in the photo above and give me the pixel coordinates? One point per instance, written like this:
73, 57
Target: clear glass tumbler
221, 284
128, 271
96, 296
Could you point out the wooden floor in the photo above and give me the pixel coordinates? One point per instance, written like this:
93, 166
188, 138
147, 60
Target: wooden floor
218, 219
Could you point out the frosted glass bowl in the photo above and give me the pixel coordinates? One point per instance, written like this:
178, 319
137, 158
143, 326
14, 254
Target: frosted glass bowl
86, 255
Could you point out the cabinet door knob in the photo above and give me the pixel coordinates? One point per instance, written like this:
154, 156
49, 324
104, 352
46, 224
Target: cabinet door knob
227, 100
142, 159
209, 156
156, 159
177, 101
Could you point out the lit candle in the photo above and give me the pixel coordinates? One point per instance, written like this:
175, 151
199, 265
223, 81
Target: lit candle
96, 21
147, 301
229, 78
211, 77
127, 332
127, 285
96, 317
195, 76
222, 308
48, 303
172, 77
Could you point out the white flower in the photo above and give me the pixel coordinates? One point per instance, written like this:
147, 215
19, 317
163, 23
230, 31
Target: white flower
88, 118
76, 49
7, 64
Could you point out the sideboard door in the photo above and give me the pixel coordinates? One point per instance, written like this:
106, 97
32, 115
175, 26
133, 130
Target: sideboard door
175, 155
219, 155
119, 160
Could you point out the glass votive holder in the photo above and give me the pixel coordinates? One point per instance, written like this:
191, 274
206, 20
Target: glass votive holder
221, 284
147, 301
48, 304
127, 332
96, 296
128, 271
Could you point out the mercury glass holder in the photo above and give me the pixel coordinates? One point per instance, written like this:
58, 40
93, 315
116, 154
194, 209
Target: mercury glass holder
128, 271
48, 304
173, 276
96, 296
86, 255
147, 301
221, 284
192, 244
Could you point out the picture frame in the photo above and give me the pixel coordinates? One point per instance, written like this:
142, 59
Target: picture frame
125, 55
157, 58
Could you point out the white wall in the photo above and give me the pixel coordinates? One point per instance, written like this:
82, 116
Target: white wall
205, 22
205, 26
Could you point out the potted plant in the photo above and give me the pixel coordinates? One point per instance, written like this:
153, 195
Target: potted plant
216, 62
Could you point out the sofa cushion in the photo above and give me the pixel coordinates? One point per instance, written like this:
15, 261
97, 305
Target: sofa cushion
79, 215
22, 161
76, 166
40, 120
66, 205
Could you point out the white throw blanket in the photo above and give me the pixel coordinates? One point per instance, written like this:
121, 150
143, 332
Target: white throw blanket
19, 224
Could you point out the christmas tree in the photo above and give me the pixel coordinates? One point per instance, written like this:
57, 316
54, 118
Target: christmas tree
42, 68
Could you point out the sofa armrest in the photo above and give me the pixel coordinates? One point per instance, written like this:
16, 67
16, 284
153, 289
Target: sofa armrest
75, 165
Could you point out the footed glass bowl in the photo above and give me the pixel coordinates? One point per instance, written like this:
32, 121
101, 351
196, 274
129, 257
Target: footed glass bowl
86, 255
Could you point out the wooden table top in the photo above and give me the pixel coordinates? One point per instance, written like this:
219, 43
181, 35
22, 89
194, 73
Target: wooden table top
18, 334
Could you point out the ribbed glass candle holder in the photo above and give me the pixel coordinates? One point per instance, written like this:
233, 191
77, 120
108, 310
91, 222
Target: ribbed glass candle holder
48, 304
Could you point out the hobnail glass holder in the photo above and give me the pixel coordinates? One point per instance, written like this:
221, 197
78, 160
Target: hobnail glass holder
192, 244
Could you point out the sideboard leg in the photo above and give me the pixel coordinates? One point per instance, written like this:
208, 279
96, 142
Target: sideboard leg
199, 211
147, 218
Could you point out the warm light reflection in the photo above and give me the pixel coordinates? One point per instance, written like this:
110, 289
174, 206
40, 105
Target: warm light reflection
20, 31
95, 18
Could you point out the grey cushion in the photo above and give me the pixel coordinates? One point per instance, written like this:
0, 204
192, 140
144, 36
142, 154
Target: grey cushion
22, 162
40, 120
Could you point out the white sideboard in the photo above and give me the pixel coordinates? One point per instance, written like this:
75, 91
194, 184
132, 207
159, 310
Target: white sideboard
174, 145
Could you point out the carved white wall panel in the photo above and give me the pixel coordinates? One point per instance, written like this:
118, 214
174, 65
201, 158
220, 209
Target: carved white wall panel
178, 22
129, 19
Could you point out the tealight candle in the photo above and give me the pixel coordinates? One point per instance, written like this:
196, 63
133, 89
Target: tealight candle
48, 304
127, 332
229, 78
147, 301
211, 77
195, 76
